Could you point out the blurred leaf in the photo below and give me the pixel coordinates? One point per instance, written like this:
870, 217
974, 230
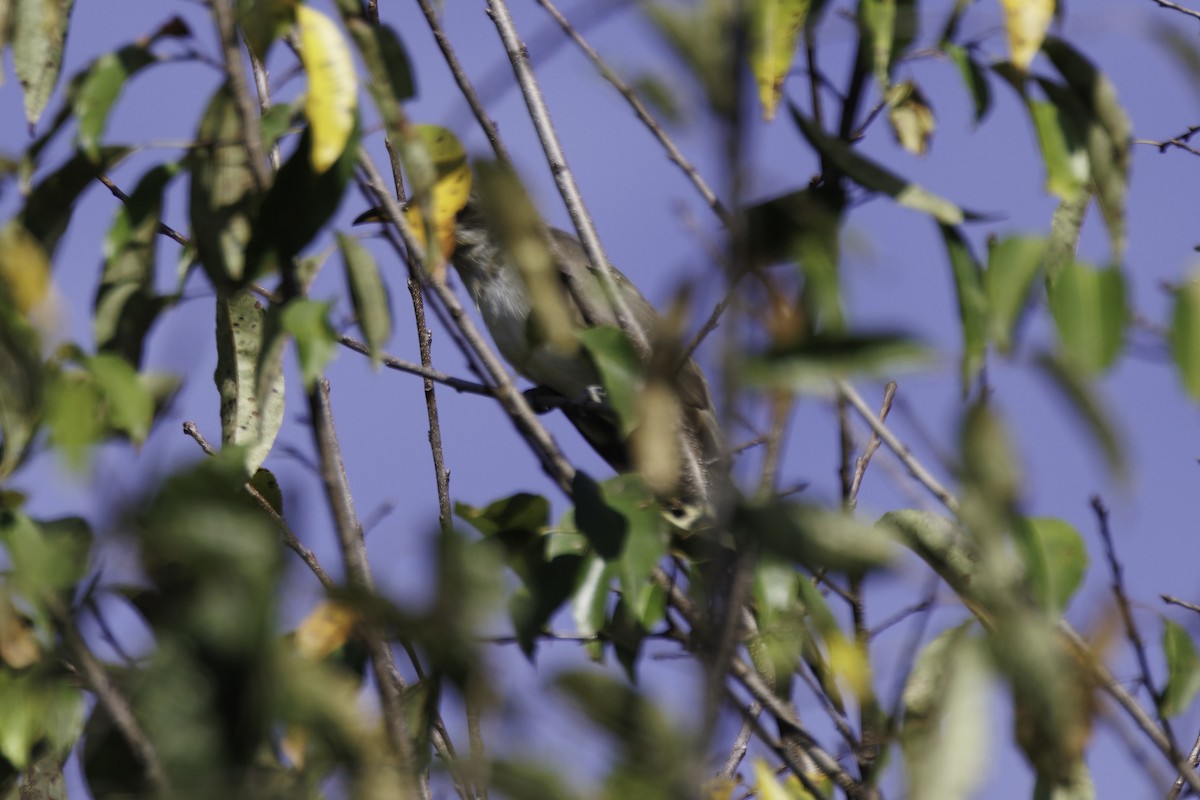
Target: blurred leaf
802, 227
250, 415
698, 35
126, 304
620, 371
530, 781
814, 362
1076, 785
223, 194
264, 21
1087, 406
944, 737
101, 85
972, 304
888, 27
657, 94
1065, 228
19, 646
296, 207
775, 26
874, 177
990, 465
49, 205
40, 710
549, 586
1013, 263
1109, 135
1056, 561
518, 229
332, 98
316, 342
939, 542
1026, 22
589, 602
816, 537
74, 415
1090, 312
24, 269
47, 557
1183, 670
267, 485
654, 443
1185, 335
129, 406
39, 35
974, 76
1062, 137
368, 294
518, 523
391, 76
911, 117
22, 384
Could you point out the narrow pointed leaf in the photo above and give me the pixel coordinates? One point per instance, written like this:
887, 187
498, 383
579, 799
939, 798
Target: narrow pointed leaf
1013, 263
1185, 335
1183, 670
101, 86
1026, 22
391, 75
1087, 407
972, 303
974, 78
1091, 314
1056, 561
775, 26
316, 343
368, 294
39, 36
332, 86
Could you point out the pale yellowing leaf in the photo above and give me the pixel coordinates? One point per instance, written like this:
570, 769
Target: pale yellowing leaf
655, 440
332, 89
24, 268
911, 117
448, 194
775, 26
329, 626
1026, 22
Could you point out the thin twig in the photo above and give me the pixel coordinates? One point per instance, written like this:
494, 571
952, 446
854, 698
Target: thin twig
1176, 7
740, 744
441, 474
464, 83
1175, 601
226, 21
97, 681
290, 540
860, 466
358, 574
915, 467
163, 229
643, 114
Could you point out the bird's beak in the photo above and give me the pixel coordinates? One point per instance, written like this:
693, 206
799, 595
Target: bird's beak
375, 214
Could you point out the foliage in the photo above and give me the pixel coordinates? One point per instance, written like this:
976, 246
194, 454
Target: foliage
762, 592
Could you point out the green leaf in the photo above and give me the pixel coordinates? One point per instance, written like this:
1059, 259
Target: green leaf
871, 175
620, 371
50, 204
251, 398
1183, 670
368, 294
972, 304
1065, 227
1090, 312
973, 75
128, 404
944, 736
1185, 335
391, 75
1077, 785
814, 362
1110, 134
264, 21
816, 537
47, 557
1056, 561
519, 525
887, 28
939, 542
316, 342
22, 378
803, 227
98, 91
1061, 129
126, 304
74, 415
39, 710
1013, 263
224, 198
589, 602
39, 35
299, 203
775, 26
1087, 406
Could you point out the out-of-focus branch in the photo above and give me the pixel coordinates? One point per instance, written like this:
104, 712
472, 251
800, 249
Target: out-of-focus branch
223, 15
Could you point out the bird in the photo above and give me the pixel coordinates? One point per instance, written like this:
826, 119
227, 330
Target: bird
567, 377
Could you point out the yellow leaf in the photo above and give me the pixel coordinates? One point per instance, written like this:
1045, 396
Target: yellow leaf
911, 117
451, 187
332, 88
850, 663
325, 630
775, 25
24, 268
1026, 22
